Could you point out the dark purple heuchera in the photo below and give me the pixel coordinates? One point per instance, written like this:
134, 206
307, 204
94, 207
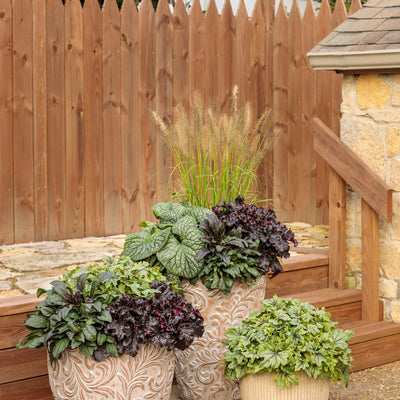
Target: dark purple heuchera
165, 318
257, 223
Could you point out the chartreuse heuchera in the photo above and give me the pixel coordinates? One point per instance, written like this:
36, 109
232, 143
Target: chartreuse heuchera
286, 336
109, 310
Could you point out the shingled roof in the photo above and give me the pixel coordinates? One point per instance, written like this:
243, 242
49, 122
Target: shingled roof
368, 40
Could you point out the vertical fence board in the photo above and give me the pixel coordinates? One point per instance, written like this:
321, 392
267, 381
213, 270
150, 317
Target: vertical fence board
130, 123
6, 123
196, 49
268, 7
23, 121
56, 119
227, 46
147, 188
164, 104
212, 23
258, 91
355, 6
297, 197
111, 117
180, 56
324, 96
280, 101
74, 120
94, 162
309, 109
39, 10
243, 32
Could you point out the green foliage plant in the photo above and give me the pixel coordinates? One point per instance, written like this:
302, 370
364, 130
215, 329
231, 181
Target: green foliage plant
173, 243
216, 155
76, 313
286, 336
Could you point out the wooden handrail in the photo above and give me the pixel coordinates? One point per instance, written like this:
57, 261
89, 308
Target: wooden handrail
353, 170
346, 166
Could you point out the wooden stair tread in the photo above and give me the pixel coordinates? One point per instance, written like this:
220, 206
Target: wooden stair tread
18, 304
365, 331
301, 261
328, 297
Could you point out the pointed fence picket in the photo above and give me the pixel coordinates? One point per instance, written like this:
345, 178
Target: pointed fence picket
80, 152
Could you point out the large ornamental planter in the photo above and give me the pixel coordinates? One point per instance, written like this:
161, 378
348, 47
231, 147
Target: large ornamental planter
198, 370
263, 387
148, 375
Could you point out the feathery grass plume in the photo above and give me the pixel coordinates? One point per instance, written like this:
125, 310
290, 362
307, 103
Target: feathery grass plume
216, 155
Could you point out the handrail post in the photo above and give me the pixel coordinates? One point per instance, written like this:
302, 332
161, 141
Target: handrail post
370, 262
337, 231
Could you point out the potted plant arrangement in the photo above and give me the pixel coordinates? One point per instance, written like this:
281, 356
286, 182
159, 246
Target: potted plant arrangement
287, 350
221, 250
109, 330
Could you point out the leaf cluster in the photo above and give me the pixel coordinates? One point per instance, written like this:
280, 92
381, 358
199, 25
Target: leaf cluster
286, 336
173, 243
123, 276
71, 317
228, 255
260, 226
75, 311
165, 318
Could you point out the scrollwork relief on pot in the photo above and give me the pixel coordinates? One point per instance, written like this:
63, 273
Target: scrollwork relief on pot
198, 371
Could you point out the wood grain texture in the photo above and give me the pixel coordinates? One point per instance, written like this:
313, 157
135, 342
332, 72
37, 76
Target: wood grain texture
6, 122
309, 109
164, 93
353, 170
21, 364
74, 120
337, 230
39, 11
56, 119
280, 101
12, 329
212, 25
130, 122
323, 96
243, 53
180, 56
23, 122
297, 281
29, 389
94, 140
258, 97
370, 262
196, 50
111, 117
296, 190
18, 304
147, 144
227, 47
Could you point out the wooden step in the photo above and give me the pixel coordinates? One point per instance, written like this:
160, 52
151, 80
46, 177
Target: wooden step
373, 343
301, 273
343, 305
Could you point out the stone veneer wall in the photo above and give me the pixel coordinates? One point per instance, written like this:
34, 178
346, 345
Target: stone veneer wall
370, 126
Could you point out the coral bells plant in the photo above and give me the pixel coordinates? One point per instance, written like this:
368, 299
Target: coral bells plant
110, 310
242, 241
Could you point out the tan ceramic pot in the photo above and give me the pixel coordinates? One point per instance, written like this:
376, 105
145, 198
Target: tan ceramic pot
263, 387
198, 371
149, 375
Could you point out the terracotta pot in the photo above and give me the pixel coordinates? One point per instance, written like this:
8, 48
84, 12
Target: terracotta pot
263, 387
149, 375
198, 371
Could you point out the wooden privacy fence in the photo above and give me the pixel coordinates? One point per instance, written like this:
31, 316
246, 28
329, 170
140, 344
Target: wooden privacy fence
79, 152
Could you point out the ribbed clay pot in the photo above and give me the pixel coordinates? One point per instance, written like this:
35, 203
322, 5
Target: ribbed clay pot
198, 371
149, 375
263, 387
